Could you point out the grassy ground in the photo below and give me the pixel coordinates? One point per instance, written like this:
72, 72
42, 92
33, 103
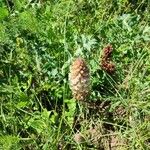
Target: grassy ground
38, 40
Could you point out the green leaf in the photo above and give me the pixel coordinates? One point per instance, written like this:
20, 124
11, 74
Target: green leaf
3, 34
28, 21
9, 142
54, 116
37, 124
3, 13
19, 4
21, 104
70, 114
45, 114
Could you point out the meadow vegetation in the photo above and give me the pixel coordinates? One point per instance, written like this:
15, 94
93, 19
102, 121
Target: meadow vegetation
38, 41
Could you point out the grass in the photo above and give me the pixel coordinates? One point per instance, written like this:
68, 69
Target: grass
39, 39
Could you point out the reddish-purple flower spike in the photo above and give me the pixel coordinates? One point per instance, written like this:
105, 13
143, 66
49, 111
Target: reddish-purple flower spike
106, 64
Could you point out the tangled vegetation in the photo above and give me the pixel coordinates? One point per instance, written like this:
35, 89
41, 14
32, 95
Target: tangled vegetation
39, 40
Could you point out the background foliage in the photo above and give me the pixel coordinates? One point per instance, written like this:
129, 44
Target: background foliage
38, 40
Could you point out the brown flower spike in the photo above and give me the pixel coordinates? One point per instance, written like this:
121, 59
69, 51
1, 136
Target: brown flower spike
106, 64
79, 79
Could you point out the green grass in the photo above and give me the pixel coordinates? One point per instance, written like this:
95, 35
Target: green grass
38, 40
